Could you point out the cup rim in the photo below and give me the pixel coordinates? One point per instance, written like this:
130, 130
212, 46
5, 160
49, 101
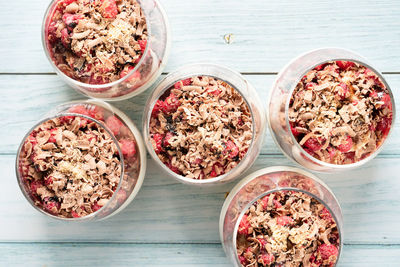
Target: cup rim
323, 164
150, 106
268, 171
87, 85
20, 178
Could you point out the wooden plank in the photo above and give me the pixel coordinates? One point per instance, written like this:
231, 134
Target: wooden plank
167, 211
95, 254
28, 97
267, 34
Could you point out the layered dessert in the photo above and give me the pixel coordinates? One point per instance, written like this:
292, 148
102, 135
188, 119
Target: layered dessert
71, 166
201, 127
340, 112
287, 228
98, 41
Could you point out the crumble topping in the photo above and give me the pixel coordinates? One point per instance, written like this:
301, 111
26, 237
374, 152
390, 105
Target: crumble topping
201, 128
287, 228
97, 41
71, 166
340, 112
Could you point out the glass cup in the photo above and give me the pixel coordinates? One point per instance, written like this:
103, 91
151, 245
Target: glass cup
133, 167
148, 69
278, 106
262, 183
237, 81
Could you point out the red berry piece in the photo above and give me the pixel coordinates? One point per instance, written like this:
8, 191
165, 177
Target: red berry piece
96, 207
167, 137
266, 259
312, 144
32, 140
128, 147
345, 65
108, 9
114, 124
244, 226
347, 145
384, 125
171, 104
157, 108
65, 40
215, 92
52, 138
143, 44
320, 67
96, 113
231, 149
79, 109
48, 180
214, 172
243, 260
35, 185
343, 91
74, 214
284, 220
325, 214
157, 143
275, 202
185, 82
51, 205
373, 94
294, 131
332, 152
173, 168
387, 101
71, 20
127, 69
310, 85
326, 251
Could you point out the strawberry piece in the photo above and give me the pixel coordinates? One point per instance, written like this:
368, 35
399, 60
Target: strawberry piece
344, 65
128, 147
275, 202
284, 220
108, 9
157, 141
96, 79
96, 207
325, 214
96, 113
262, 243
384, 125
347, 145
231, 149
173, 168
373, 94
71, 20
184, 82
266, 259
31, 139
48, 180
171, 104
142, 44
313, 144
79, 109
215, 92
65, 40
74, 214
293, 130
387, 101
157, 108
243, 260
52, 138
50, 205
320, 67
167, 137
244, 226
214, 172
35, 185
343, 91
127, 69
114, 124
326, 251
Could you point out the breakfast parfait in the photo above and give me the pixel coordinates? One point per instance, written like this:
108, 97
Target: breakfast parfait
201, 127
70, 166
287, 228
340, 112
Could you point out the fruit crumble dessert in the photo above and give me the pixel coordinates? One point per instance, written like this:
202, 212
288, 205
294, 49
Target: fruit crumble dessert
97, 41
287, 228
340, 112
71, 166
201, 128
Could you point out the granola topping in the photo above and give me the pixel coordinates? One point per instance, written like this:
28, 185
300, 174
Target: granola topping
287, 228
201, 128
97, 41
340, 112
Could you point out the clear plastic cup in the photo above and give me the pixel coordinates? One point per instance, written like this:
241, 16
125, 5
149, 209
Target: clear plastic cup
238, 82
262, 183
278, 106
150, 66
133, 166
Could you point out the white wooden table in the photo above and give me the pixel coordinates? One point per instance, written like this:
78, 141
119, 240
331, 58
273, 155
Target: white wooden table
174, 224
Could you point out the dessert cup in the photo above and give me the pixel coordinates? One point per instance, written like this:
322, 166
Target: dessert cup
149, 67
133, 166
279, 101
262, 183
236, 81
